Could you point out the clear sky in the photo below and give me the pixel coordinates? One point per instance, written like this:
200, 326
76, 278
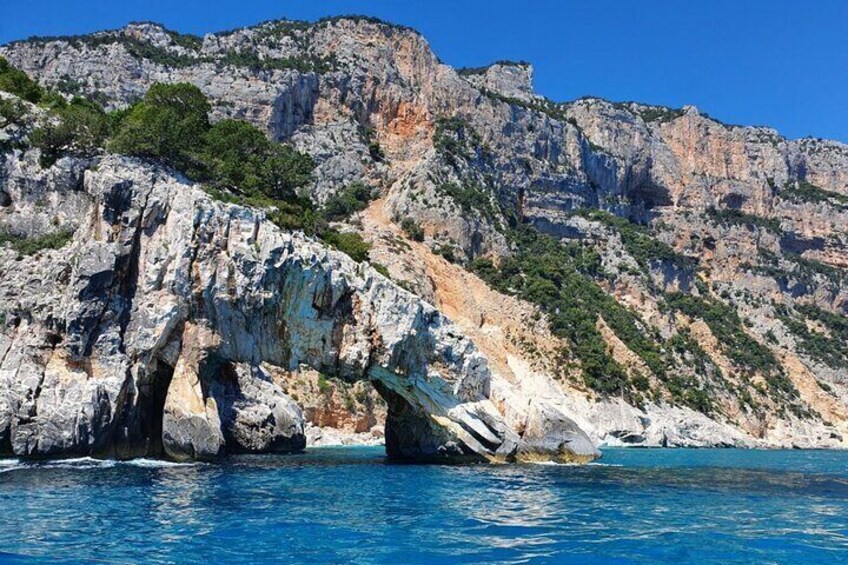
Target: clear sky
782, 63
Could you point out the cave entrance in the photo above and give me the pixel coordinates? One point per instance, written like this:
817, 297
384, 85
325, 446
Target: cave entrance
644, 197
139, 430
409, 433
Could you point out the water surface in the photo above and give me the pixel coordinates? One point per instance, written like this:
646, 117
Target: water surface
348, 505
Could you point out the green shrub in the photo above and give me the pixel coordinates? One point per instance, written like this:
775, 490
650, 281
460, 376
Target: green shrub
236, 156
18, 83
639, 243
660, 114
323, 384
727, 327
233, 152
353, 198
186, 40
807, 272
454, 139
78, 128
472, 199
252, 61
448, 252
375, 151
171, 124
558, 278
553, 110
348, 242
732, 217
804, 191
685, 389
412, 229
832, 349
156, 54
382, 269
31, 246
286, 169
297, 214
11, 112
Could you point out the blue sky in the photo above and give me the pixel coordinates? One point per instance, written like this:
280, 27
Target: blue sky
782, 63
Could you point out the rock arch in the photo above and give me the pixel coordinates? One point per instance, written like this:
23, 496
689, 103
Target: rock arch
192, 308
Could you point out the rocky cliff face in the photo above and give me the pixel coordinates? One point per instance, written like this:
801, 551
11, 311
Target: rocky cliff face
722, 248
170, 324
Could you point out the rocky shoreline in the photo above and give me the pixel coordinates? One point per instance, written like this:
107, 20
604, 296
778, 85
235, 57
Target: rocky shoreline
529, 278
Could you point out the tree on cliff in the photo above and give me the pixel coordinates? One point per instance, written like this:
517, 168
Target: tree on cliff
239, 157
169, 124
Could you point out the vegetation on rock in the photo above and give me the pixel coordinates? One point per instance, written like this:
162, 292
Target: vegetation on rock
15, 81
559, 278
169, 124
804, 191
732, 217
353, 198
78, 128
32, 245
412, 229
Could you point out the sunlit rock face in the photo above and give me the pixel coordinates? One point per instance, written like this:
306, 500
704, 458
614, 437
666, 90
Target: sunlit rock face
171, 324
759, 221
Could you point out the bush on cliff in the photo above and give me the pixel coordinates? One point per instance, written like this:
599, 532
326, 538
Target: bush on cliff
11, 112
32, 245
414, 231
171, 124
558, 277
234, 159
348, 242
353, 198
79, 128
18, 83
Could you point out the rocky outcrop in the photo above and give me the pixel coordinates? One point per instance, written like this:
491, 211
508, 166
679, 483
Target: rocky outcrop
513, 80
160, 327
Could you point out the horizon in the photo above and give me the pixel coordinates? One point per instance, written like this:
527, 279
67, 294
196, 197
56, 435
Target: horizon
754, 88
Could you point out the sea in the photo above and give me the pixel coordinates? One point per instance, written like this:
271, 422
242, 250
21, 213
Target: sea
352, 505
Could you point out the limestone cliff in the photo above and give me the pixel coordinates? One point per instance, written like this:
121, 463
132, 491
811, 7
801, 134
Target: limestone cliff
722, 249
171, 324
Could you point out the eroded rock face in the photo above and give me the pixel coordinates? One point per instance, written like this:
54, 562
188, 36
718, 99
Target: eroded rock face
465, 156
157, 331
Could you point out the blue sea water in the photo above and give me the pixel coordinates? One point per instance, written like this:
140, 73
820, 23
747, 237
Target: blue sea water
349, 505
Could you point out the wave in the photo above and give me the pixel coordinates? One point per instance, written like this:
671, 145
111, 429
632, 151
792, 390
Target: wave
158, 463
77, 463
10, 469
560, 464
83, 463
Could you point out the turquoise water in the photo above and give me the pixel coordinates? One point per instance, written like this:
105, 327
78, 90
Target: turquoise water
348, 505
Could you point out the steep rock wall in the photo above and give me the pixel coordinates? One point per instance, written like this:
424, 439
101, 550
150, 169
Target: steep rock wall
158, 330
